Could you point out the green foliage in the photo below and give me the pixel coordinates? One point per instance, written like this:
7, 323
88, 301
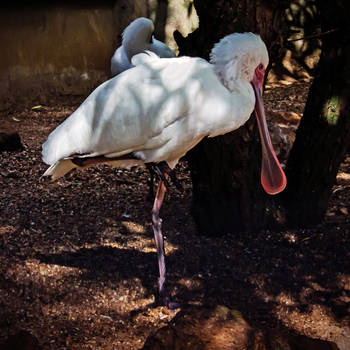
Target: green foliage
331, 110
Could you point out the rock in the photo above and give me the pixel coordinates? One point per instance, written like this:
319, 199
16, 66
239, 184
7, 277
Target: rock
210, 329
10, 141
225, 329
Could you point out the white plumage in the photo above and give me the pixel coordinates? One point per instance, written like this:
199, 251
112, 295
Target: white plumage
157, 110
160, 109
137, 37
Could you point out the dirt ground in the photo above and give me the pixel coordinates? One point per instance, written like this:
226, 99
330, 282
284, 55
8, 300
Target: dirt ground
78, 265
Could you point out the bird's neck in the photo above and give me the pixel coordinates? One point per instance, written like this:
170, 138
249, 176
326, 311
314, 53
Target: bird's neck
236, 110
136, 39
133, 48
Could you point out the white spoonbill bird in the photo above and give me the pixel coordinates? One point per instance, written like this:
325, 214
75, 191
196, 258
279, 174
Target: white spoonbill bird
137, 37
157, 111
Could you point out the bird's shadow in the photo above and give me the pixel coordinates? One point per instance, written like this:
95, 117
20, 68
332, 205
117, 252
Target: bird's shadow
111, 262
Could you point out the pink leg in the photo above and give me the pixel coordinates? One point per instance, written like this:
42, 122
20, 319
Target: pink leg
158, 237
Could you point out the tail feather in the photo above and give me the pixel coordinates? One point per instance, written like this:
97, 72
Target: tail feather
60, 168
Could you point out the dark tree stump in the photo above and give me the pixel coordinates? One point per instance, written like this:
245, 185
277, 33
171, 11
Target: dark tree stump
225, 170
10, 141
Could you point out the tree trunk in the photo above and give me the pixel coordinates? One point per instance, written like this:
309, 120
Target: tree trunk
227, 195
323, 136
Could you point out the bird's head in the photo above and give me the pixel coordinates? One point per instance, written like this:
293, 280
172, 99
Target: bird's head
137, 36
243, 58
239, 56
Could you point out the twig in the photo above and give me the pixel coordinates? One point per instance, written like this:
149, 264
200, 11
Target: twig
341, 188
314, 36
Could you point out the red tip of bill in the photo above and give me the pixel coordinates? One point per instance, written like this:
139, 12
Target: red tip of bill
273, 178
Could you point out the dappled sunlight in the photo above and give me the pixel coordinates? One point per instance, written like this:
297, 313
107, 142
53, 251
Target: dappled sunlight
291, 237
6, 229
343, 178
285, 298
146, 246
192, 284
79, 262
65, 306
312, 301
343, 281
40, 272
133, 227
327, 325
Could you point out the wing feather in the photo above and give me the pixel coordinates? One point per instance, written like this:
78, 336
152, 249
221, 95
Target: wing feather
134, 110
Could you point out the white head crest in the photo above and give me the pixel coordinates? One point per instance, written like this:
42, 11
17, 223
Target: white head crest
236, 56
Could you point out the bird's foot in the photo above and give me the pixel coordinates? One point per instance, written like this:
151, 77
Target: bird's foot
165, 300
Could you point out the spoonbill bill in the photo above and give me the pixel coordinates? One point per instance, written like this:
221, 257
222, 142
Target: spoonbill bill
137, 37
157, 111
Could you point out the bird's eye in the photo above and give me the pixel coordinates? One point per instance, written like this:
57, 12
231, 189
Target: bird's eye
261, 66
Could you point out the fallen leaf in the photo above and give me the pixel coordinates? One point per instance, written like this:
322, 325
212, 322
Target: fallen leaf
344, 211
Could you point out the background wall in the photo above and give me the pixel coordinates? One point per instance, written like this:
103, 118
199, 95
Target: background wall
55, 48
52, 48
